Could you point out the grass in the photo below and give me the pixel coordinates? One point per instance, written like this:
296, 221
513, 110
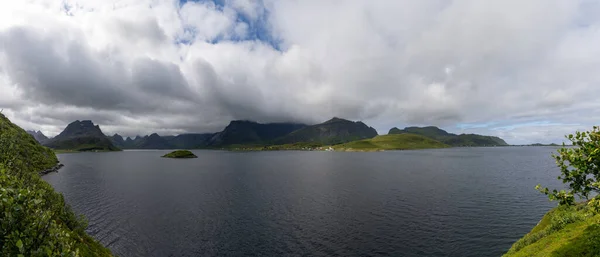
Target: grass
564, 231
180, 154
34, 219
58, 151
307, 146
391, 142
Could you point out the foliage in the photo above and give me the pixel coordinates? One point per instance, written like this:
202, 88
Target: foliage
82, 144
580, 170
588, 244
180, 154
391, 142
558, 232
34, 220
21, 151
571, 229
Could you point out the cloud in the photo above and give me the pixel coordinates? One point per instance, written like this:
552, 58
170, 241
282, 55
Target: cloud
137, 67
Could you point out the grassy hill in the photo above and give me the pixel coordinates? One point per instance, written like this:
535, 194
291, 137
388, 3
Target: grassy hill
569, 231
391, 142
20, 150
34, 220
449, 138
180, 154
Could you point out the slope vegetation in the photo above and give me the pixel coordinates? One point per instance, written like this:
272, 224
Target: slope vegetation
391, 142
449, 138
34, 220
564, 231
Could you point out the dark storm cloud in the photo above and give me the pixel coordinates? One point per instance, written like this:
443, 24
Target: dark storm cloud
52, 69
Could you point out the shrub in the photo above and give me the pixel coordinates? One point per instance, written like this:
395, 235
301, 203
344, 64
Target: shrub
34, 219
580, 169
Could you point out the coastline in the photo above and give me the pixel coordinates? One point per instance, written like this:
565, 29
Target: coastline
57, 167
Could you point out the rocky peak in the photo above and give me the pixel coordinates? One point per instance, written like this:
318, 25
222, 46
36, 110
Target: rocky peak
81, 128
38, 135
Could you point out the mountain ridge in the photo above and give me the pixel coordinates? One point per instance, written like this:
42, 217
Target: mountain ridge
450, 138
332, 131
38, 135
81, 136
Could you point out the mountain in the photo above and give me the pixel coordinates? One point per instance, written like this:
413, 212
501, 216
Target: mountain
38, 135
333, 131
118, 141
449, 138
249, 132
82, 136
153, 141
391, 142
190, 141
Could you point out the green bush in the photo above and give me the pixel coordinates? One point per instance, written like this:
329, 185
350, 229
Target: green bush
180, 154
580, 170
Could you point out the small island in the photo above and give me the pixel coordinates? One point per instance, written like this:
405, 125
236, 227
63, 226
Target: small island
180, 154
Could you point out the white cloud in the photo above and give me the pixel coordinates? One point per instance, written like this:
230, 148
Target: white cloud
158, 65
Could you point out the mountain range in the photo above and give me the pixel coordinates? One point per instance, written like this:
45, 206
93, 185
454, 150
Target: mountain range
85, 136
38, 135
243, 132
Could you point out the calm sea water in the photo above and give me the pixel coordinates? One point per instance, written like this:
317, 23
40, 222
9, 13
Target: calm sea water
450, 202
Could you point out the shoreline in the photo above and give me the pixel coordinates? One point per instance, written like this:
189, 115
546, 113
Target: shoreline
53, 169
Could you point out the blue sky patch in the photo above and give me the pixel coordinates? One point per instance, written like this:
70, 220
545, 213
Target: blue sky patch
258, 29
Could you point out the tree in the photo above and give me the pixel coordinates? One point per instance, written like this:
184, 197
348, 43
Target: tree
580, 170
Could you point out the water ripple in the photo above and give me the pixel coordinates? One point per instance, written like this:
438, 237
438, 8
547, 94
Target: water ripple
452, 202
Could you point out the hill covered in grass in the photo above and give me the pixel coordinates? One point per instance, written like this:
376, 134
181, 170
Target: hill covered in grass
449, 138
34, 220
569, 231
391, 142
81, 136
180, 154
20, 149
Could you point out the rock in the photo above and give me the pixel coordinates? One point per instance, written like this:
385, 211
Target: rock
53, 169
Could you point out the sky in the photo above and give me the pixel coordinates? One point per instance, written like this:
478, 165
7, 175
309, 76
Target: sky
527, 71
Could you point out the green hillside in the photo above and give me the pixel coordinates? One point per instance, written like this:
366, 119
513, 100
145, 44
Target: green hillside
569, 231
180, 154
34, 220
449, 138
19, 149
391, 142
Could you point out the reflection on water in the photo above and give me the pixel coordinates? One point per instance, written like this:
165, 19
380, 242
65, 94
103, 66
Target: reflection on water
449, 202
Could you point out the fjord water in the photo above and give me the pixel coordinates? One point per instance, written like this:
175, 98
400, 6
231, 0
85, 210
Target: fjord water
447, 202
